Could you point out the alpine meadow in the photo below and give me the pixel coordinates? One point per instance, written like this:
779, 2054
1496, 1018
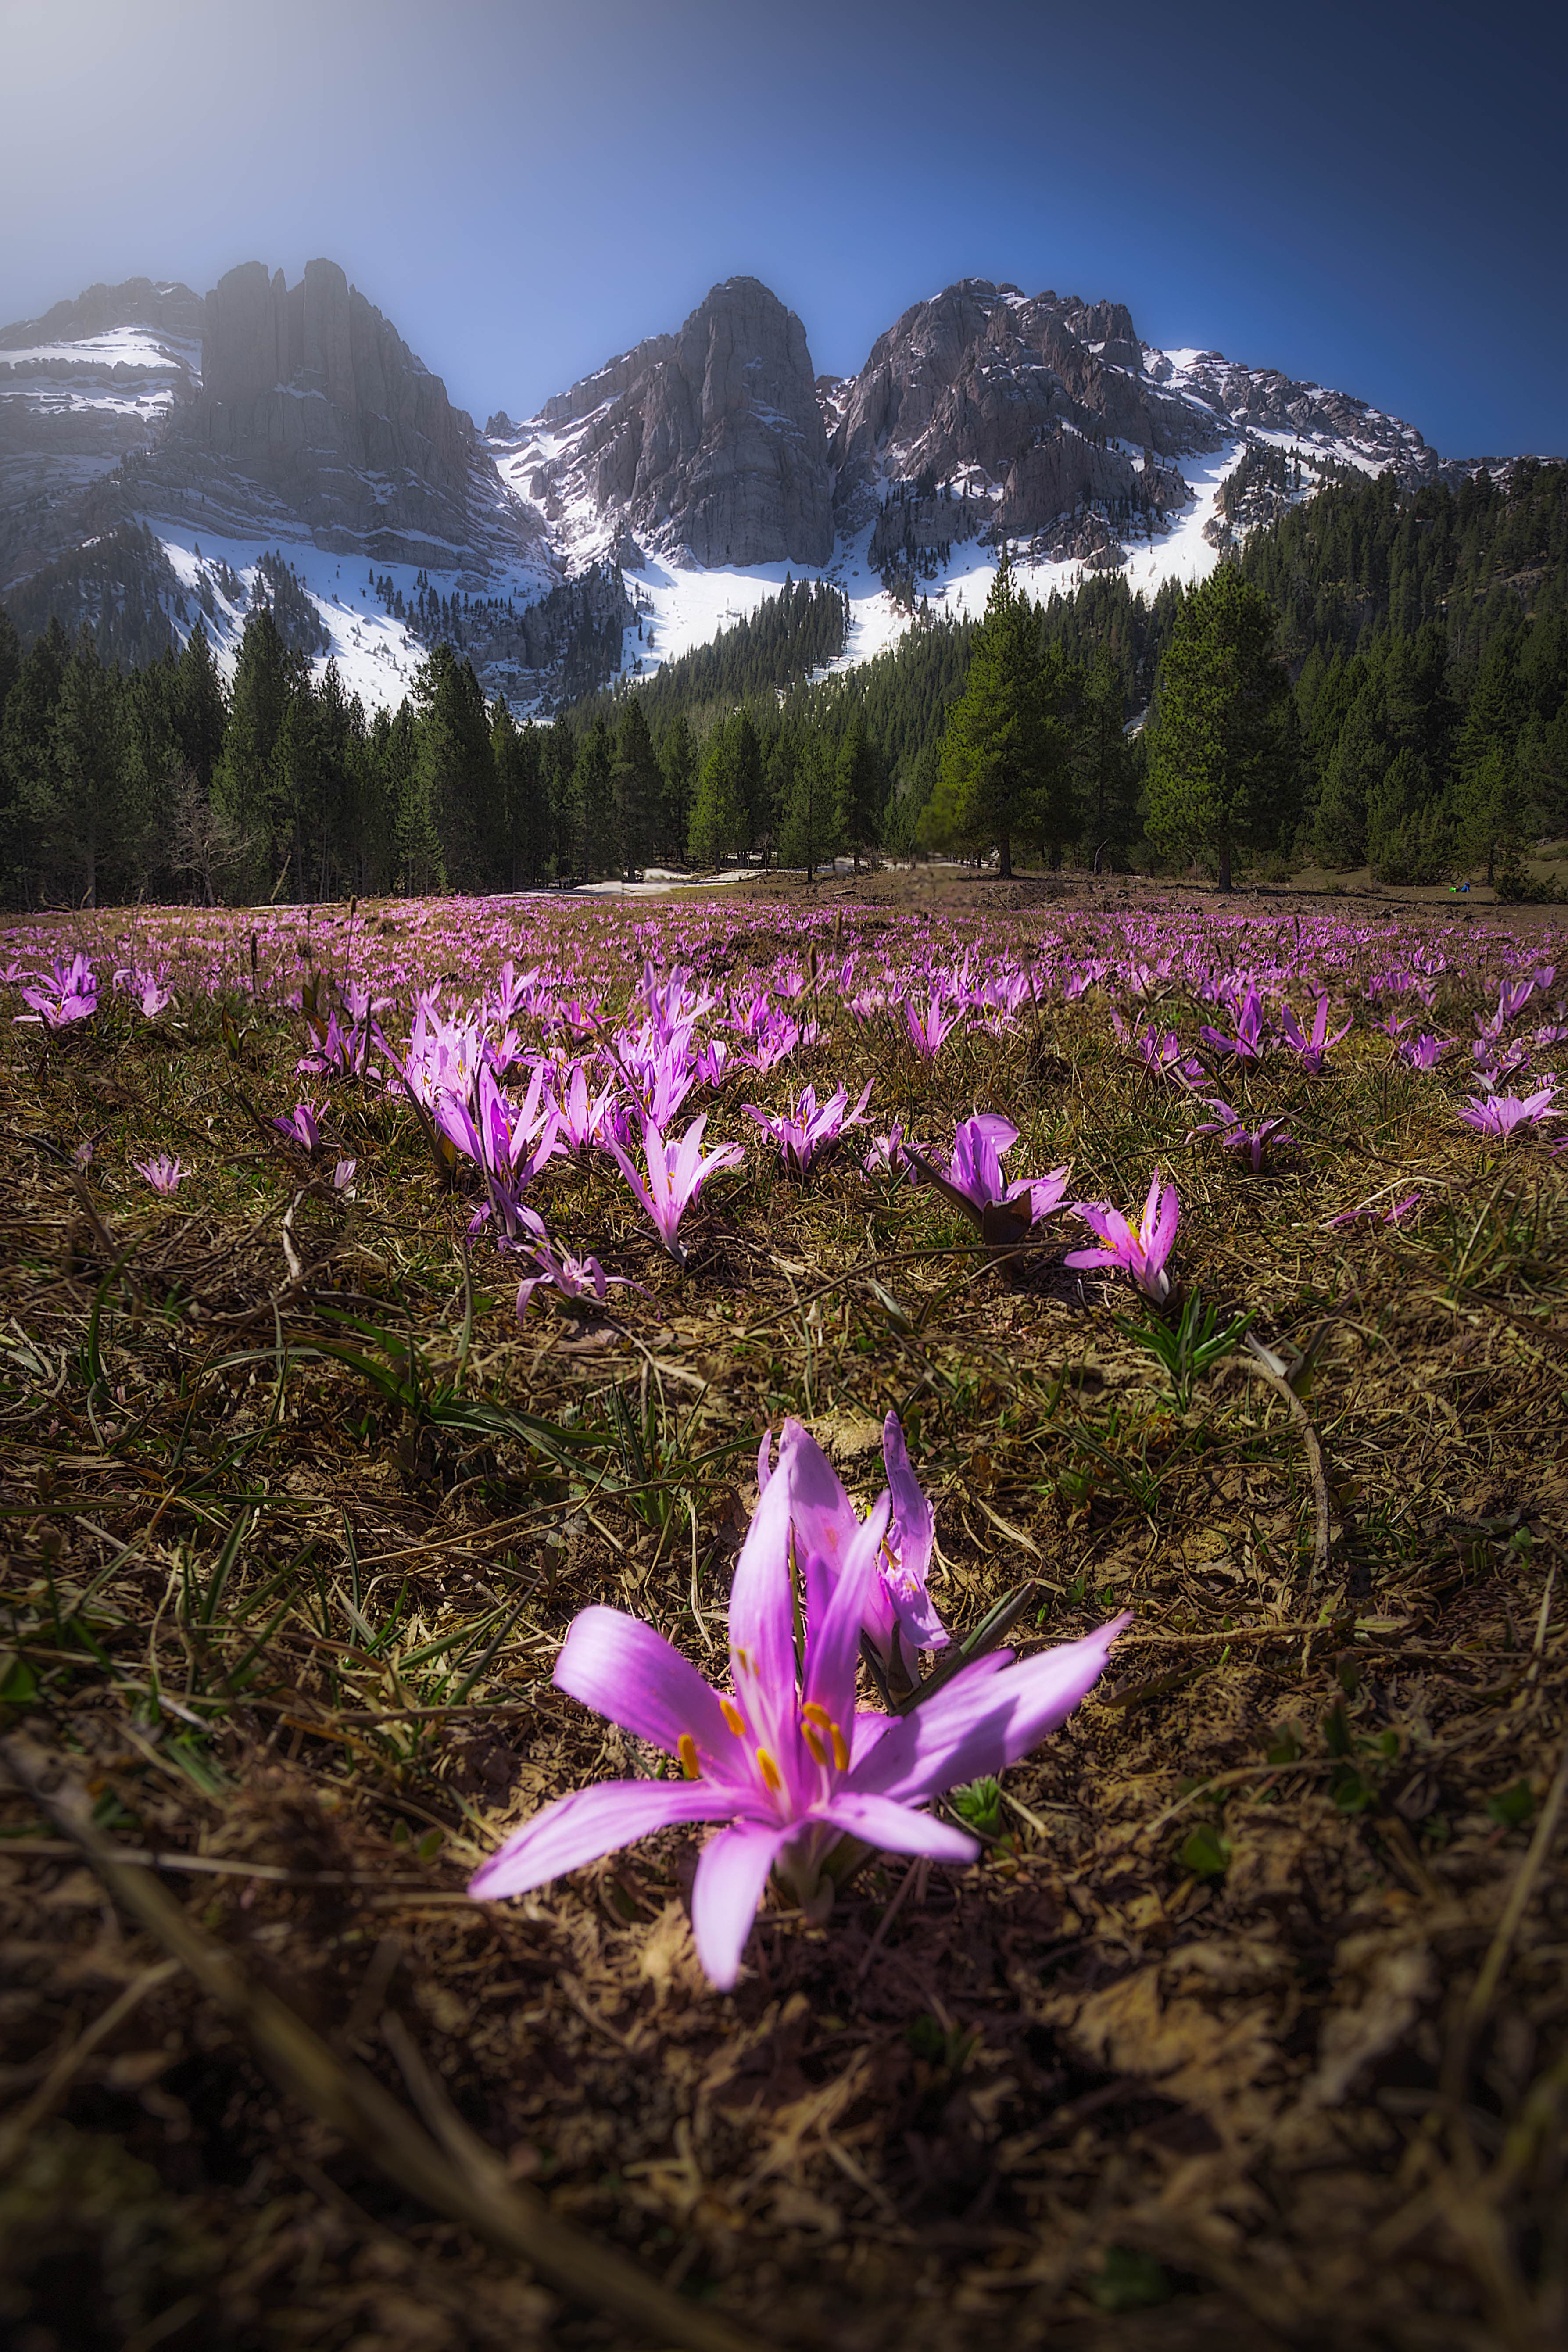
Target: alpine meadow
784, 1321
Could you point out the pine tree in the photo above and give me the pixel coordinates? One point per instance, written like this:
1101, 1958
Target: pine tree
1004, 762
678, 765
592, 786
720, 825
1489, 795
1103, 757
244, 781
637, 785
77, 804
455, 779
1224, 761
809, 801
200, 708
859, 791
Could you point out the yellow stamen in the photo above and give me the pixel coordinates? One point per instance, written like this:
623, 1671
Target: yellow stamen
814, 1744
816, 1712
733, 1717
685, 1748
840, 1752
769, 1771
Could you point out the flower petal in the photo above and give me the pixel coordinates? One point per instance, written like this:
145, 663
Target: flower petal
894, 1828
833, 1643
980, 1722
762, 1616
593, 1822
625, 1670
732, 1873
825, 1520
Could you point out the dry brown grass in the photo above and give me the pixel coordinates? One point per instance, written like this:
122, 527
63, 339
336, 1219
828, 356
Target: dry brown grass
1250, 2031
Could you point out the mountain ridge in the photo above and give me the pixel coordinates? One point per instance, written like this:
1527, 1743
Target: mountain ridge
646, 504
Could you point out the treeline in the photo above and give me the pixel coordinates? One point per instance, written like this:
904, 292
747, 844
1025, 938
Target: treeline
803, 628
1421, 725
1427, 640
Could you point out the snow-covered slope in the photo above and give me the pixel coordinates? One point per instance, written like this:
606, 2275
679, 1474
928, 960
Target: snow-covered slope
155, 447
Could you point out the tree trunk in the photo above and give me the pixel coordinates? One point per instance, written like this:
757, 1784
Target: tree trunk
1004, 863
1224, 883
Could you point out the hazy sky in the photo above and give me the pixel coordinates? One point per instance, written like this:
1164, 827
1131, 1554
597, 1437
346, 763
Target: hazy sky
1370, 195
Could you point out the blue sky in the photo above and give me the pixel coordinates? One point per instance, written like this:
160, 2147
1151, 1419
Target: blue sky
1372, 196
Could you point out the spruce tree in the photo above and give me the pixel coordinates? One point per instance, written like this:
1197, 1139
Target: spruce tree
720, 825
245, 781
859, 793
593, 785
1004, 770
1103, 757
678, 765
809, 804
79, 805
1224, 761
455, 782
636, 786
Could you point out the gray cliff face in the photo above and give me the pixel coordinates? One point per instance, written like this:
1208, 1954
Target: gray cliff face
89, 384
310, 394
1010, 398
710, 441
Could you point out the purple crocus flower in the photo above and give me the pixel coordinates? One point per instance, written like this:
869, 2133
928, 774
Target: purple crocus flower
1234, 1134
303, 1127
164, 1174
577, 1280
928, 1030
1498, 1115
973, 1182
677, 1171
71, 994
900, 1617
1425, 1052
1314, 1047
1394, 1214
807, 1130
888, 1154
581, 1116
783, 1760
1251, 1039
1144, 1248
1162, 1054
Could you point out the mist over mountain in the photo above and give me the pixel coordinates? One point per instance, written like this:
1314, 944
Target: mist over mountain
156, 445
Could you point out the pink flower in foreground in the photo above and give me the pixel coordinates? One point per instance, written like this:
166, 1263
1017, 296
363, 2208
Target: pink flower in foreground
783, 1760
69, 994
974, 1181
900, 1617
1313, 1047
1424, 1053
1144, 1248
1498, 1115
677, 1171
163, 1174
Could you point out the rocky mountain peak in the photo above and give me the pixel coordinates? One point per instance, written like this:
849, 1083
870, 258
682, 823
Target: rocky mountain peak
708, 443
